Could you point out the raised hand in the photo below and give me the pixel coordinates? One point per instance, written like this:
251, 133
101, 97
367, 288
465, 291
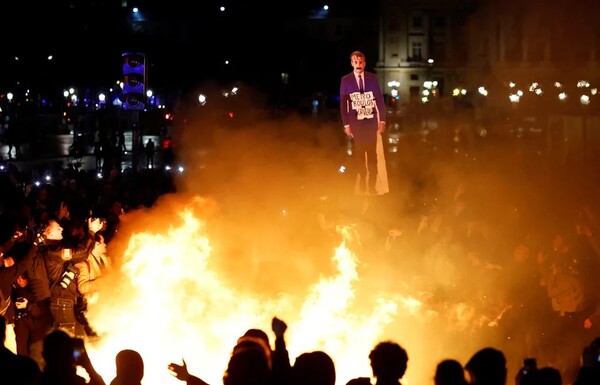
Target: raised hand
179, 371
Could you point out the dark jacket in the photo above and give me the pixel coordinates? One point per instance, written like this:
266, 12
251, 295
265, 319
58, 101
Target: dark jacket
47, 266
362, 111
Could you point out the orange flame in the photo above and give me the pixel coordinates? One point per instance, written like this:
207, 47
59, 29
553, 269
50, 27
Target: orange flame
168, 300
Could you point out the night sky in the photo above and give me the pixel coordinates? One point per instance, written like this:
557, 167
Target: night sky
186, 43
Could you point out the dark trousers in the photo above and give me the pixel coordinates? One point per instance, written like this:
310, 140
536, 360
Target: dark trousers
365, 162
29, 330
63, 311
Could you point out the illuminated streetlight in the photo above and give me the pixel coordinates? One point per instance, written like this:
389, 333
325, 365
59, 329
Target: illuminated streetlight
583, 84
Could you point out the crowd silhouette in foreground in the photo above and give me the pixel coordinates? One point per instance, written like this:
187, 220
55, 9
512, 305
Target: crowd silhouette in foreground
254, 362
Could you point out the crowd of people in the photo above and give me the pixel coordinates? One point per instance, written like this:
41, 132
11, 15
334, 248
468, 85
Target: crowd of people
53, 246
253, 361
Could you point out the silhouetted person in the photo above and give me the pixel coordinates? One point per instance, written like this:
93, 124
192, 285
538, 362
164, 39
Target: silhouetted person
389, 361
280, 362
98, 149
122, 145
130, 368
528, 374
450, 372
149, 149
589, 372
549, 376
487, 367
313, 368
13, 136
59, 353
587, 376
248, 365
262, 338
16, 369
181, 373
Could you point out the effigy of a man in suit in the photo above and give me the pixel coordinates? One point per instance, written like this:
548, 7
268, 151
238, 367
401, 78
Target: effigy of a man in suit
363, 112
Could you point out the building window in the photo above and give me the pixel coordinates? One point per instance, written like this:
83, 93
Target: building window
414, 77
417, 50
417, 22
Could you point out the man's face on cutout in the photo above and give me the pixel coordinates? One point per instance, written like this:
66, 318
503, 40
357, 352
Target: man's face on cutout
358, 63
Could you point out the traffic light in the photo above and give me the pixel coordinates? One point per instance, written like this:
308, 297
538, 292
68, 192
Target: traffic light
134, 81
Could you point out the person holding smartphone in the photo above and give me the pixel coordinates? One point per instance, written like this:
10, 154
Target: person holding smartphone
62, 355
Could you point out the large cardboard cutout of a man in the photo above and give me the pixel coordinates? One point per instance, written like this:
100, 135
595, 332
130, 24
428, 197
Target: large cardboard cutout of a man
363, 112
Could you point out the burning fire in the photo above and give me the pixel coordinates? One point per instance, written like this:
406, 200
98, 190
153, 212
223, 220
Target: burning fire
169, 299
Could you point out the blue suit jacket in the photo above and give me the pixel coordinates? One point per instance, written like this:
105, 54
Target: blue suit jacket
362, 111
